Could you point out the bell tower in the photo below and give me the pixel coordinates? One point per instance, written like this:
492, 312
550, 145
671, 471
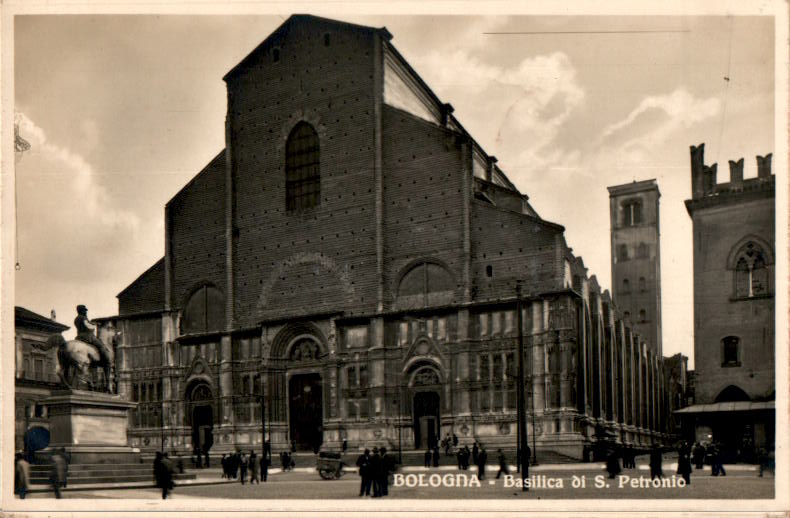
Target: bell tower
636, 265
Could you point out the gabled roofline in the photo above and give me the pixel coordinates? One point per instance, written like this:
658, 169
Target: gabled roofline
283, 27
140, 277
220, 155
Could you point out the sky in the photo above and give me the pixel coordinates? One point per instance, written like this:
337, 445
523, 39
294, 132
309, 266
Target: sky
122, 111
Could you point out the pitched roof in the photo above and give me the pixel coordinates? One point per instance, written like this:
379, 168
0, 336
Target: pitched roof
26, 318
283, 29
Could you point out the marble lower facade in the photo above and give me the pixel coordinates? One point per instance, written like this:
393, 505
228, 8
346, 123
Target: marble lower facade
402, 380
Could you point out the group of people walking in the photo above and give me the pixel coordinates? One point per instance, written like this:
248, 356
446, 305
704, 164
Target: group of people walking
375, 469
239, 464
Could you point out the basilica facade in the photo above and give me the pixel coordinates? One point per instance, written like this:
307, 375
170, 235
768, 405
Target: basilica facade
351, 267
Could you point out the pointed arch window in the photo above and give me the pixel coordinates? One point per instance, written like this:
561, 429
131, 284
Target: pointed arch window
751, 272
302, 168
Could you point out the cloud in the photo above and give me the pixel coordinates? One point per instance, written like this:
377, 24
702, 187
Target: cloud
680, 108
70, 232
517, 110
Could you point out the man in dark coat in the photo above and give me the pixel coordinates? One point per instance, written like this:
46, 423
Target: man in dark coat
684, 466
613, 462
436, 457
253, 465
482, 458
162, 474
503, 467
655, 462
375, 472
266, 460
428, 458
387, 467
475, 452
363, 463
698, 455
242, 468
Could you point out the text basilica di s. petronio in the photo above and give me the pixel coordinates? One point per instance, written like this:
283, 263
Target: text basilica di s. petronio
352, 259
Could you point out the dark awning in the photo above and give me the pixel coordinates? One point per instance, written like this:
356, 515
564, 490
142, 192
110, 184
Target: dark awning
728, 406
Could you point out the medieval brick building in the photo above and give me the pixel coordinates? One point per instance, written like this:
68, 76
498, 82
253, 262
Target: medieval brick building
734, 288
351, 260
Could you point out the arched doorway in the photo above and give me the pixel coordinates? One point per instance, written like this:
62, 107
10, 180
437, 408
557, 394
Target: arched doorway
305, 398
426, 385
200, 411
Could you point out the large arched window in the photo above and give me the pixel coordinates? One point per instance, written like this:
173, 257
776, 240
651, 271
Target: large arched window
204, 311
302, 168
425, 283
751, 271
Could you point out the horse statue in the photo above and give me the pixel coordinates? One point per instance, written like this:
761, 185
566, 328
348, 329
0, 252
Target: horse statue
77, 360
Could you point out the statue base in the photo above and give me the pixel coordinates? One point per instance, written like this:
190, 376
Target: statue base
90, 426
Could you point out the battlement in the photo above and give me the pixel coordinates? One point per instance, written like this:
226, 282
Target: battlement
703, 177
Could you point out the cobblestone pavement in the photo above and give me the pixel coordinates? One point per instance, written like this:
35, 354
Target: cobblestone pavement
450, 483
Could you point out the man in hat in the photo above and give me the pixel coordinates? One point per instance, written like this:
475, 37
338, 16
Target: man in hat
86, 331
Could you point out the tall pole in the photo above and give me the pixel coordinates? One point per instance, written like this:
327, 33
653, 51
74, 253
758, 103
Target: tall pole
263, 418
399, 424
522, 413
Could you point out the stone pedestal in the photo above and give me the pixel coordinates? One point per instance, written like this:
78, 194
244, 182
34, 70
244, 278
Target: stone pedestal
90, 426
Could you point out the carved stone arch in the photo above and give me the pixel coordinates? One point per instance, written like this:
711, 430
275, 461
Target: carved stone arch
305, 347
424, 371
424, 346
199, 369
193, 381
736, 250
288, 335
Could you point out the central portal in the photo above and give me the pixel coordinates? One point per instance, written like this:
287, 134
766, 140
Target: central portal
306, 411
426, 420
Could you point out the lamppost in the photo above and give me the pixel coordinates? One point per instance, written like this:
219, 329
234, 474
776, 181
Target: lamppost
522, 417
263, 418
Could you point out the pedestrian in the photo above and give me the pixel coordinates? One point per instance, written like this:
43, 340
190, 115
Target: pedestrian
475, 453
234, 465
253, 464
459, 455
345, 445
428, 458
57, 476
466, 457
387, 467
224, 463
162, 474
613, 463
266, 460
447, 444
363, 463
698, 455
242, 468
205, 456
684, 466
455, 440
21, 475
375, 472
655, 462
503, 467
436, 457
482, 458
716, 465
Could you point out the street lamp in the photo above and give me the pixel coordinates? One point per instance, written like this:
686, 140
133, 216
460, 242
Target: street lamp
522, 417
263, 419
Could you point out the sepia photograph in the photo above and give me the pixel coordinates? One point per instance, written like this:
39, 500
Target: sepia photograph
359, 259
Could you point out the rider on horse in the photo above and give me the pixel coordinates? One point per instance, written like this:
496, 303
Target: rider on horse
86, 331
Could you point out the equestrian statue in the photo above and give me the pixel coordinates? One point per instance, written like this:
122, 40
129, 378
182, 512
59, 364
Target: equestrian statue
77, 358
